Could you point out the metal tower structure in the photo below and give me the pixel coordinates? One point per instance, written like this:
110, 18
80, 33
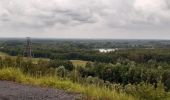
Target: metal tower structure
28, 50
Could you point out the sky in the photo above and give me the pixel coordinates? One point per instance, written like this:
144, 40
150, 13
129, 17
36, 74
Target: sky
112, 19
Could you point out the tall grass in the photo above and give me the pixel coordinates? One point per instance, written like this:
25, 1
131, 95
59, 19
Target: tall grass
90, 92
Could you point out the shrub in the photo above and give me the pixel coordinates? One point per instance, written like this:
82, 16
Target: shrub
146, 91
56, 63
11, 74
61, 71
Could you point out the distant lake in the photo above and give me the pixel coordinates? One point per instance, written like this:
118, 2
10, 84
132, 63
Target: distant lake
107, 50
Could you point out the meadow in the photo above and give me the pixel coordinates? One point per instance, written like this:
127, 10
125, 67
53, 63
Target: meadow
79, 62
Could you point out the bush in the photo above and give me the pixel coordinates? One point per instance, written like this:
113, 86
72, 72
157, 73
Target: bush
61, 71
11, 74
56, 63
146, 91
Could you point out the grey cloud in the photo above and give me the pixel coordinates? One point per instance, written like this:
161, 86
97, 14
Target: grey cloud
46, 18
129, 15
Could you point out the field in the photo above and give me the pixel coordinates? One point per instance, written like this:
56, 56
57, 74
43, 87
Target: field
34, 60
3, 54
79, 63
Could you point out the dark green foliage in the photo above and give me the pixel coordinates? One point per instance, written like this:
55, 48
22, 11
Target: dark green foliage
126, 72
56, 63
138, 51
166, 79
146, 91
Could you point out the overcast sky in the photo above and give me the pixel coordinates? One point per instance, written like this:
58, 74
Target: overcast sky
136, 19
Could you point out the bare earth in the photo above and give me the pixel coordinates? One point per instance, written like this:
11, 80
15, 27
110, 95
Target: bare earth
14, 91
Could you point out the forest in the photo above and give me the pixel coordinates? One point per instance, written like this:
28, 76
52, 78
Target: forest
140, 69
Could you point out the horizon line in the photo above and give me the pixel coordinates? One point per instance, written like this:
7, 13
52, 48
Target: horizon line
83, 38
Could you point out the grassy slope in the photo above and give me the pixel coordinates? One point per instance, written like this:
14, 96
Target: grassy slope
91, 92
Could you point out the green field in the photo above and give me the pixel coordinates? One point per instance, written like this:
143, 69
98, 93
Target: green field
34, 60
3, 54
79, 62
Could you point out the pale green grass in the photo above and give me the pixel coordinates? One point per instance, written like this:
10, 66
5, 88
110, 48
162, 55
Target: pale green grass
91, 92
79, 62
3, 54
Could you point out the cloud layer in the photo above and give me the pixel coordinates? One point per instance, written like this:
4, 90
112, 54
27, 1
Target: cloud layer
85, 18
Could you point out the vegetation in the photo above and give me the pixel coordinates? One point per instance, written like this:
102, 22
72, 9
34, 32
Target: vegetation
139, 51
79, 63
3, 54
54, 74
133, 71
92, 92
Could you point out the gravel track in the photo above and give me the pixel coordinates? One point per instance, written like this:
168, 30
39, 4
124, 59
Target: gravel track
14, 91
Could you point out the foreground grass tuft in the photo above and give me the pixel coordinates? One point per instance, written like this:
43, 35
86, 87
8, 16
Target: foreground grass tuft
91, 92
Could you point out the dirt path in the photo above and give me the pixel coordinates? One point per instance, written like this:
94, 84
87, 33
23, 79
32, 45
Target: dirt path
14, 91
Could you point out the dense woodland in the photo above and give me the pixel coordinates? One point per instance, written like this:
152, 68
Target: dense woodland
140, 51
136, 65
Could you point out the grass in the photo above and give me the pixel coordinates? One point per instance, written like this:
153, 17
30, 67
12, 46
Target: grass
34, 60
79, 62
91, 92
3, 54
